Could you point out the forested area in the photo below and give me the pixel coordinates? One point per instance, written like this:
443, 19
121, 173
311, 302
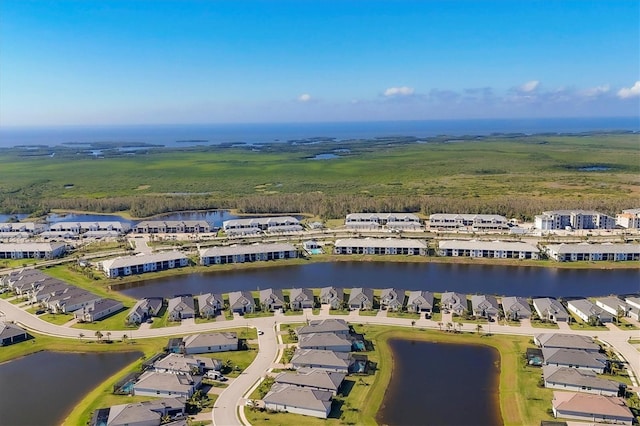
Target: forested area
329, 206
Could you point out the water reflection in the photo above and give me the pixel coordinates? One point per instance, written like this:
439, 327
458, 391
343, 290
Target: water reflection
442, 384
500, 280
53, 382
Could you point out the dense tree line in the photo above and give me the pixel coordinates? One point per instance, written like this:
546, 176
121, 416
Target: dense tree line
523, 207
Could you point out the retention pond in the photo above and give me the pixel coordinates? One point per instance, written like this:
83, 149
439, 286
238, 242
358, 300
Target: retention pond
442, 384
437, 277
42, 388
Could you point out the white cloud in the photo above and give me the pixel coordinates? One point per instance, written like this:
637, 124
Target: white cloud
529, 86
399, 91
305, 97
596, 91
630, 92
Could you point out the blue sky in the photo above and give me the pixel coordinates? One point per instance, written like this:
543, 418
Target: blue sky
131, 62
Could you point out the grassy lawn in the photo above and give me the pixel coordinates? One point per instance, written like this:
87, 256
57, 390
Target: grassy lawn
338, 312
290, 312
545, 324
113, 322
7, 295
284, 332
57, 319
471, 320
259, 314
521, 400
399, 314
241, 359
578, 324
370, 313
626, 325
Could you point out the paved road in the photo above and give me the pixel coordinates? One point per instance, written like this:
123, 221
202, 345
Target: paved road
225, 411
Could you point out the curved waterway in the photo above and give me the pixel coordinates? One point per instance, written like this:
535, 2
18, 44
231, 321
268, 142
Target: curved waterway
442, 384
436, 277
42, 388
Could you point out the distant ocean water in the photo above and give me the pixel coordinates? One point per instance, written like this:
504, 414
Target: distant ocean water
199, 134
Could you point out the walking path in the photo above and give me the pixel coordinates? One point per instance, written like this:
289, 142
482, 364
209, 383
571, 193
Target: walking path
227, 409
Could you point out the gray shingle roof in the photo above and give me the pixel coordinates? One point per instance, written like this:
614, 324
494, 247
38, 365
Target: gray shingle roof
298, 397
577, 377
330, 325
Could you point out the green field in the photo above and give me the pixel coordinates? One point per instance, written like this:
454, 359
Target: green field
515, 176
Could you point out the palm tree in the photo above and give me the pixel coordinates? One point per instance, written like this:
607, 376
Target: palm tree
99, 336
80, 336
440, 326
413, 323
459, 327
108, 336
478, 328
124, 338
449, 326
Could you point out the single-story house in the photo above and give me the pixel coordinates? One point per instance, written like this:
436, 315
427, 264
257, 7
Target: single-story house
566, 341
299, 400
210, 342
485, 306
360, 298
144, 309
325, 341
209, 304
333, 296
516, 308
577, 380
332, 325
322, 359
241, 302
301, 298
454, 302
575, 358
420, 301
589, 312
152, 383
97, 310
324, 380
591, 408
271, 299
634, 306
70, 300
615, 306
146, 413
184, 364
550, 310
11, 333
181, 307
392, 299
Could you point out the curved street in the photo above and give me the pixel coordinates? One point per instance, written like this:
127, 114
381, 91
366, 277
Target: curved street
226, 411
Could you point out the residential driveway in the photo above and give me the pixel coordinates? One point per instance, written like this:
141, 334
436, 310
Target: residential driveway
525, 322
381, 314
324, 309
564, 326
188, 321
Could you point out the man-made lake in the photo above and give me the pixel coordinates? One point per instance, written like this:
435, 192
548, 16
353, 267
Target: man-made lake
42, 388
213, 217
437, 277
442, 384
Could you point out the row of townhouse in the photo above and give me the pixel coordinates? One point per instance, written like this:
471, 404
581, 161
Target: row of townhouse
629, 219
488, 249
32, 250
172, 227
57, 296
593, 252
160, 261
256, 226
381, 246
572, 363
379, 221
142, 263
221, 255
